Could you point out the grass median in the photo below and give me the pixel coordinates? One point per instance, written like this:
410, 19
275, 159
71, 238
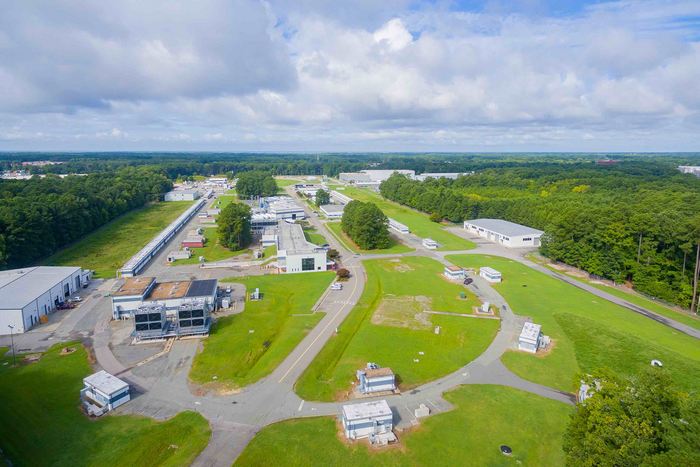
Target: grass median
41, 423
485, 417
246, 347
109, 248
610, 335
388, 326
212, 250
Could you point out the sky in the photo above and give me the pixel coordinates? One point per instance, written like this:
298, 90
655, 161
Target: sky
356, 75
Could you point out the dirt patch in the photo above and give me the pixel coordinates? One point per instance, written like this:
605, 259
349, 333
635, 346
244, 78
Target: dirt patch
404, 311
31, 358
67, 350
212, 388
395, 265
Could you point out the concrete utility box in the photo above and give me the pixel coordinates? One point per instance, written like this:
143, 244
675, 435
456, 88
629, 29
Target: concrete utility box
529, 339
437, 329
422, 411
485, 307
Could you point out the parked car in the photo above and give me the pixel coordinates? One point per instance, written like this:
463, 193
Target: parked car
468, 281
66, 306
228, 289
336, 286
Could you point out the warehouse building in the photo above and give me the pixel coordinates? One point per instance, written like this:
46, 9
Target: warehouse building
140, 259
507, 233
295, 254
26, 295
182, 195
103, 392
140, 291
332, 211
398, 226
367, 419
373, 175
340, 198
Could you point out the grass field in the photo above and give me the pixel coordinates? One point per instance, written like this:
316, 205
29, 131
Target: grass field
484, 418
108, 249
283, 182
41, 424
632, 297
418, 222
211, 250
612, 336
394, 246
314, 237
225, 201
387, 326
238, 357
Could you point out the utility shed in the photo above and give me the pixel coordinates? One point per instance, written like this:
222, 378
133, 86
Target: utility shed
507, 233
430, 244
28, 293
376, 380
454, 272
103, 392
490, 274
368, 418
182, 195
530, 336
179, 254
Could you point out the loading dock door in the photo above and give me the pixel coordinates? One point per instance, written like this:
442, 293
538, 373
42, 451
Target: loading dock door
77, 283
66, 290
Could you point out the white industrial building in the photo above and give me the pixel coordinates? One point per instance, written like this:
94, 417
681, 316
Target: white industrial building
529, 339
490, 274
454, 273
103, 392
437, 176
182, 195
507, 233
340, 198
286, 209
139, 291
366, 419
373, 175
295, 254
430, 244
29, 293
140, 259
332, 211
398, 226
375, 379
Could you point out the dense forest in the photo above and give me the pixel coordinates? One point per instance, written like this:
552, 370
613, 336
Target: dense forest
39, 216
636, 221
366, 225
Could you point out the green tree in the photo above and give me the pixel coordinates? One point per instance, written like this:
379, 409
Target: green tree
234, 226
322, 197
435, 217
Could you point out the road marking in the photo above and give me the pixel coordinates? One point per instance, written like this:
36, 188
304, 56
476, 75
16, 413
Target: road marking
438, 409
300, 406
343, 302
321, 333
411, 413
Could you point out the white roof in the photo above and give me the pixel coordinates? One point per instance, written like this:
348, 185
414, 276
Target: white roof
290, 238
366, 410
20, 287
499, 226
490, 271
189, 192
333, 208
530, 332
104, 382
430, 241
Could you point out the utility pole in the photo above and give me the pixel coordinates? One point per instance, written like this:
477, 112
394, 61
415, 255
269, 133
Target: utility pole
12, 340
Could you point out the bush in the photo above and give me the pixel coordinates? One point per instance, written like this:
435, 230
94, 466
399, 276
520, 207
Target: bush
343, 273
435, 217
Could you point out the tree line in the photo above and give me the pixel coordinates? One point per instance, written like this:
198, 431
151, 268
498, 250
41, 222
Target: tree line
366, 225
635, 222
41, 215
255, 184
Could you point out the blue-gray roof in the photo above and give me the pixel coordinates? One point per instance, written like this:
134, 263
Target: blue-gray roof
509, 229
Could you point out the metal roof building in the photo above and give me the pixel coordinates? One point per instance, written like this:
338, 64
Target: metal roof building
504, 232
29, 293
529, 339
182, 195
369, 418
295, 253
332, 210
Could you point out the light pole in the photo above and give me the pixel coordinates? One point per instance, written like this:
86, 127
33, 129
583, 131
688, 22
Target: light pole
12, 340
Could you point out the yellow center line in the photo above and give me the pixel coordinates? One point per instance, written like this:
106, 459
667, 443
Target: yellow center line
324, 329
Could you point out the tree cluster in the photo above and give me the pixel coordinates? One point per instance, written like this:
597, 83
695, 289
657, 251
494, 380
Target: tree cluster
645, 421
255, 184
635, 222
366, 225
41, 215
234, 226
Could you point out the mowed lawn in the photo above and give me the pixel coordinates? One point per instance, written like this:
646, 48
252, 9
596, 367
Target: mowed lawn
314, 237
211, 250
225, 201
485, 417
41, 423
388, 327
108, 249
238, 357
418, 223
394, 246
589, 332
283, 182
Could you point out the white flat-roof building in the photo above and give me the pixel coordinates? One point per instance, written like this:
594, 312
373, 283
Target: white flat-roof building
430, 244
332, 211
507, 233
28, 293
368, 418
454, 273
295, 254
530, 336
451, 175
286, 209
139, 291
376, 380
373, 175
179, 254
490, 274
103, 392
182, 195
398, 226
340, 198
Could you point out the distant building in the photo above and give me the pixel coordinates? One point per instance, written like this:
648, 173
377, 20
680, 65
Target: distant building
490, 274
529, 339
103, 392
340, 198
507, 233
179, 254
332, 211
366, 419
451, 175
454, 273
373, 175
690, 169
398, 226
193, 241
182, 195
430, 244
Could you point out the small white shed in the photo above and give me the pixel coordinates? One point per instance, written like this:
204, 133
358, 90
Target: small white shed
490, 274
430, 244
530, 336
376, 380
454, 273
368, 418
103, 392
